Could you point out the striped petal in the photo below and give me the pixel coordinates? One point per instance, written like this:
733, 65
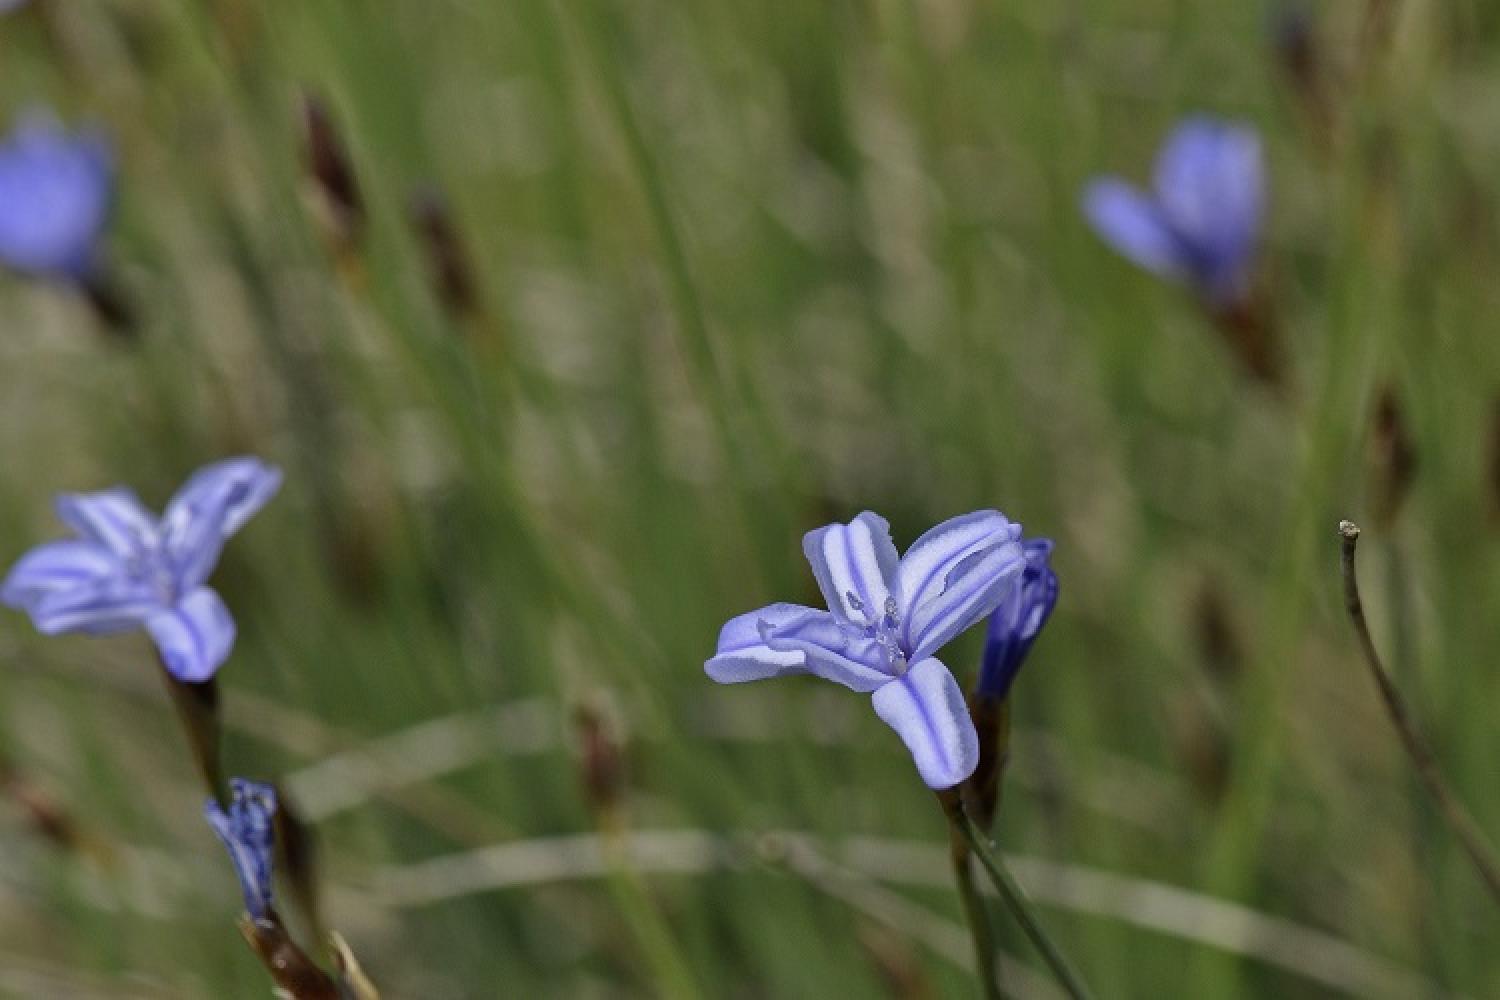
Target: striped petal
214, 503
194, 637
973, 588
785, 639
110, 605
54, 567
927, 710
113, 518
938, 607
856, 566
834, 650
742, 655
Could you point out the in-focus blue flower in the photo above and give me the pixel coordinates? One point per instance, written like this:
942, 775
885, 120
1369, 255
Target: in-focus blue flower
128, 569
248, 830
1014, 625
55, 193
889, 616
1201, 222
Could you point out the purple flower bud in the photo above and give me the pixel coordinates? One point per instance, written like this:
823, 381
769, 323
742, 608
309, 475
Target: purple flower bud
55, 194
247, 829
1200, 224
1015, 624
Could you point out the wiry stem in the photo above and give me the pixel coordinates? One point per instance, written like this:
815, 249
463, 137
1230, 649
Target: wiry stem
1417, 748
197, 706
1016, 901
974, 911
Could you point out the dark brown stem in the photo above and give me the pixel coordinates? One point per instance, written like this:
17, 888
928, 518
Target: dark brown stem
297, 859
991, 717
294, 974
198, 707
110, 304
1417, 748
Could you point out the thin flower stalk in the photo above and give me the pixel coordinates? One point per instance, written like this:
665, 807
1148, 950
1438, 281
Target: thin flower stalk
1460, 821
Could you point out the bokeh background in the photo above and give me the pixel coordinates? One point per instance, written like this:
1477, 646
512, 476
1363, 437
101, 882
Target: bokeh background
738, 270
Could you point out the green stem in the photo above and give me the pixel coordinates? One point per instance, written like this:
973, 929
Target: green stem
979, 920
1016, 901
670, 970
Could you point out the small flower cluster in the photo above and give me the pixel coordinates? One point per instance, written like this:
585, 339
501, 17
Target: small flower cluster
128, 569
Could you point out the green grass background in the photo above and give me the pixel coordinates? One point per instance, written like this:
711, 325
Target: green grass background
747, 268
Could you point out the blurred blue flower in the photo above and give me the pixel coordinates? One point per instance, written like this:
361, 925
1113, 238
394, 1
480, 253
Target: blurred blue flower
889, 616
10, 5
128, 569
1201, 223
55, 194
1014, 625
248, 830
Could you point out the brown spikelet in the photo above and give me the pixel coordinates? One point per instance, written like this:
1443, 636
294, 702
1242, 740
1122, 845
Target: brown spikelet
1220, 648
337, 199
601, 760
1392, 459
1303, 62
1249, 329
448, 265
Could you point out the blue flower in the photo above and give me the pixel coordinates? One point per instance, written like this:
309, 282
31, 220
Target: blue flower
128, 569
1201, 223
248, 830
55, 194
889, 616
1014, 625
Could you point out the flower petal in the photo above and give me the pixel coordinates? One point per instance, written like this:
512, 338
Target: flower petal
785, 639
928, 561
214, 503
973, 588
835, 650
114, 518
927, 710
194, 637
742, 655
55, 193
1131, 222
928, 568
855, 565
1210, 184
109, 605
54, 567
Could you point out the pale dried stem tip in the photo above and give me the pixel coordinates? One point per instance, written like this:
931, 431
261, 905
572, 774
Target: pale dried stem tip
1417, 748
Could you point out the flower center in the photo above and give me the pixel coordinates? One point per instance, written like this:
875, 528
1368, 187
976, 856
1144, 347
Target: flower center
883, 629
148, 565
